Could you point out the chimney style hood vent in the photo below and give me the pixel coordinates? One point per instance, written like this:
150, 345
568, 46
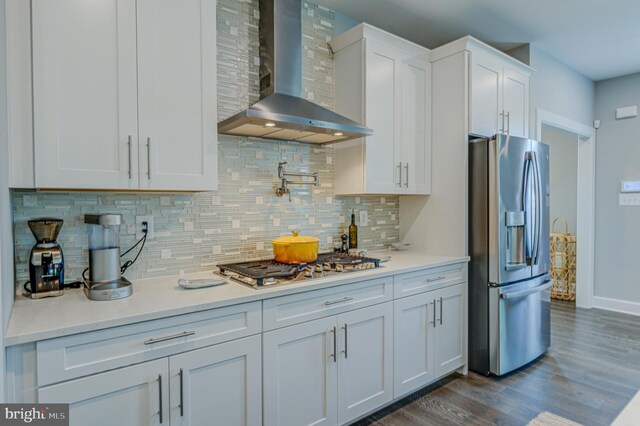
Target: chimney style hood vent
281, 113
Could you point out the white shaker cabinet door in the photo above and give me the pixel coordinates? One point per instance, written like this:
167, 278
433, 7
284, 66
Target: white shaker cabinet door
486, 117
219, 384
365, 360
416, 127
383, 115
300, 380
177, 94
515, 95
450, 338
136, 395
85, 94
414, 333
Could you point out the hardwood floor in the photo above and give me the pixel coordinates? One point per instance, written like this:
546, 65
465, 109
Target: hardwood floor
591, 371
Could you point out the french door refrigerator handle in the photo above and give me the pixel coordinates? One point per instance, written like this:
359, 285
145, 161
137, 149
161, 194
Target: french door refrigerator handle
546, 285
525, 204
538, 212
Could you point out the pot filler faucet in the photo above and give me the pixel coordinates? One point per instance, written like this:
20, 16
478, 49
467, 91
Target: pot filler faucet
282, 175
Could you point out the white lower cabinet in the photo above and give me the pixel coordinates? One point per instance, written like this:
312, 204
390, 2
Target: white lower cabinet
449, 330
136, 395
329, 371
413, 343
314, 370
428, 337
219, 384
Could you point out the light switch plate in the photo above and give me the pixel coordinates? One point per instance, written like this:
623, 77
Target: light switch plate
630, 199
630, 186
626, 112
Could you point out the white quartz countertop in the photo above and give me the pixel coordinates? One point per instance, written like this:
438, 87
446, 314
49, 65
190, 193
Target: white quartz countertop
153, 298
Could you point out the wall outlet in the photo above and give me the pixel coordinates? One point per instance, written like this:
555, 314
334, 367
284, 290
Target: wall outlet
630, 199
150, 227
364, 218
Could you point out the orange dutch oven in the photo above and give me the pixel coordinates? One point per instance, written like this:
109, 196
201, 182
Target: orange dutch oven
295, 249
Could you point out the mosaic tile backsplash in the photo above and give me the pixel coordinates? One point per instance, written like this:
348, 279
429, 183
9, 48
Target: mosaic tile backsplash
194, 232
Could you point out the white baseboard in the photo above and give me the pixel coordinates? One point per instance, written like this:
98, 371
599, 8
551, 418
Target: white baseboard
616, 305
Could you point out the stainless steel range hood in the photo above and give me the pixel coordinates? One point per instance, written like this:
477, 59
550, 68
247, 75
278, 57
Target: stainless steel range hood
281, 113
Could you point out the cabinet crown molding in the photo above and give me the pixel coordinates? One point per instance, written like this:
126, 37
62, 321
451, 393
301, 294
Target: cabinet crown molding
472, 44
369, 32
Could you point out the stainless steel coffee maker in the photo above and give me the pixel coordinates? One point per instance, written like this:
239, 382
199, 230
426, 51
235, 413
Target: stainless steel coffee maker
105, 280
46, 263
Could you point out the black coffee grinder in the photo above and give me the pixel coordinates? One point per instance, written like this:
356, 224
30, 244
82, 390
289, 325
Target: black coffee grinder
46, 263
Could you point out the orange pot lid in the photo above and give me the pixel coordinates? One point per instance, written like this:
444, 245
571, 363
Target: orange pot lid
295, 239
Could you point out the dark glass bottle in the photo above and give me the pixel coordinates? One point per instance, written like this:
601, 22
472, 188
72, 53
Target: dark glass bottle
353, 232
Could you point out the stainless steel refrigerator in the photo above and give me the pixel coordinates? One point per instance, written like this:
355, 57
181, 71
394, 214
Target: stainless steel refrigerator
509, 296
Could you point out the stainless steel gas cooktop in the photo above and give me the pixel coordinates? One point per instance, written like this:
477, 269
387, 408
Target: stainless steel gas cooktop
263, 273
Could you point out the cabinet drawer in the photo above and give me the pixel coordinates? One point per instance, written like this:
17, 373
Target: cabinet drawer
429, 279
287, 310
88, 353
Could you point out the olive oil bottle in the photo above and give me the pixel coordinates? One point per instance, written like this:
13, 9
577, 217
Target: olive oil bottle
353, 232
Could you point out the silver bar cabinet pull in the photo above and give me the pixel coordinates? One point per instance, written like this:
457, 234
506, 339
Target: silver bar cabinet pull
335, 344
149, 158
175, 336
434, 313
502, 117
441, 311
400, 174
160, 395
440, 278
346, 341
129, 145
333, 302
181, 394
508, 122
406, 182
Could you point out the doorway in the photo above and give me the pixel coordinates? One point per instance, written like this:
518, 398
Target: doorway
584, 189
563, 207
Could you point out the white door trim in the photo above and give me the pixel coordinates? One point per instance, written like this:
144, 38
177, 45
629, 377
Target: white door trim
586, 200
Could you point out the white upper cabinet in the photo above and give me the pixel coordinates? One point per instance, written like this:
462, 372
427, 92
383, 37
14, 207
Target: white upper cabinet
124, 94
85, 94
499, 96
383, 87
415, 128
177, 94
383, 82
515, 101
486, 95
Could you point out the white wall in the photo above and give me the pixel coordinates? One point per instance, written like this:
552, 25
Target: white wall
558, 89
617, 269
343, 23
563, 165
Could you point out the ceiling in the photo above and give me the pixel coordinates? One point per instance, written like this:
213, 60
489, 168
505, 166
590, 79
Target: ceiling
598, 38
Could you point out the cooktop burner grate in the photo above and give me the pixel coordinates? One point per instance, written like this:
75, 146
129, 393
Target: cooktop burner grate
269, 269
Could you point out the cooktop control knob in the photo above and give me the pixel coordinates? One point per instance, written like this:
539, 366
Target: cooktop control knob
326, 267
339, 268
